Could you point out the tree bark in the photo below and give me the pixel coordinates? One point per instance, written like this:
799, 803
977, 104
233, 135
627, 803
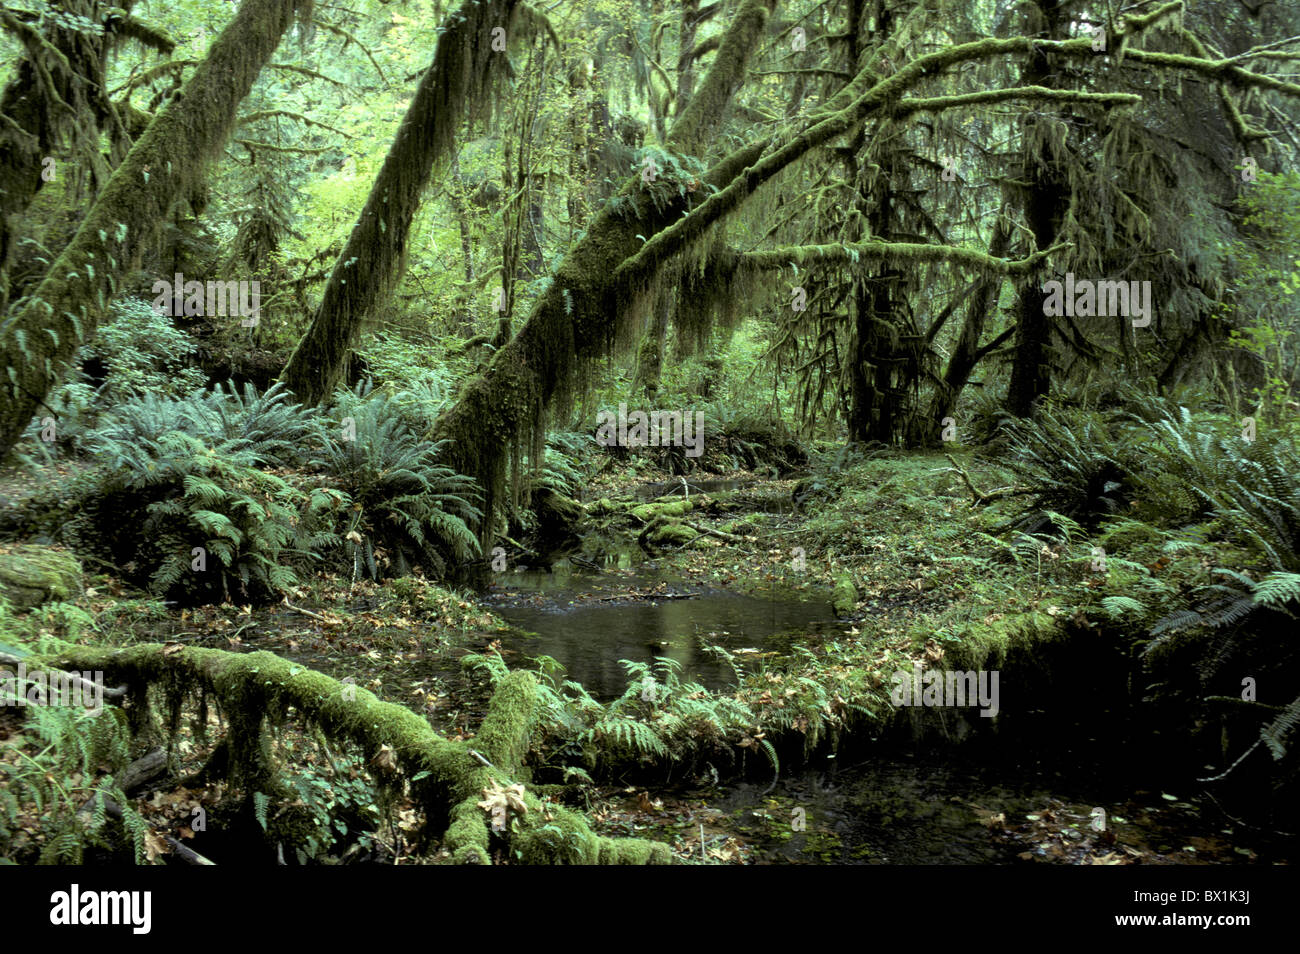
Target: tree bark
1049, 195
41, 340
462, 72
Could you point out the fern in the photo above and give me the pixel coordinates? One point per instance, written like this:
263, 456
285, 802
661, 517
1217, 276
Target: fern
52, 780
1075, 463
261, 802
1277, 733
1119, 605
402, 498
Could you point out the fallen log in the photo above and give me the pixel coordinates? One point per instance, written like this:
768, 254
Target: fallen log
445, 778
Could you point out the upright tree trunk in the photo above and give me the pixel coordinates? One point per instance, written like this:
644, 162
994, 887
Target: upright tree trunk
1031, 369
650, 356
40, 342
465, 300
875, 406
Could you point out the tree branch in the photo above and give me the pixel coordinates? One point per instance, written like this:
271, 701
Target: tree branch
853, 252
932, 104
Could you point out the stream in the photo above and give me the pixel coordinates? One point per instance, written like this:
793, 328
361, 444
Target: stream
1026, 790
588, 622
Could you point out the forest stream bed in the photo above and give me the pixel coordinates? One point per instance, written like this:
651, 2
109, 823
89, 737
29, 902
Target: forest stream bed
1050, 782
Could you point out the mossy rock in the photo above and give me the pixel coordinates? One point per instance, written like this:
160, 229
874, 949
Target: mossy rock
604, 507
30, 575
559, 518
651, 511
845, 598
667, 533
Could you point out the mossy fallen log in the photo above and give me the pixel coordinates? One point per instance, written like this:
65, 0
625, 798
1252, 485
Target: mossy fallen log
448, 780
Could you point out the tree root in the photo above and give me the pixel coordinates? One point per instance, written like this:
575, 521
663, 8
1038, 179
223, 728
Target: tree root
446, 780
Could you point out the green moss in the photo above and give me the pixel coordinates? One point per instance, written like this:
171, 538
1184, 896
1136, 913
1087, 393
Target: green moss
844, 600
664, 533
985, 645
259, 689
460, 77
31, 575
163, 166
647, 513
507, 730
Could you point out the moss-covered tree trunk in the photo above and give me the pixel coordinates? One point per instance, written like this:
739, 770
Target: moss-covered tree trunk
650, 356
474, 790
58, 88
586, 310
39, 341
463, 70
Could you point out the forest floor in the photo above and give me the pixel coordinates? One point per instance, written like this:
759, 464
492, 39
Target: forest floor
928, 574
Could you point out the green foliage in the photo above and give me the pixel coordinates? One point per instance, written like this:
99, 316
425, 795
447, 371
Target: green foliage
53, 785
247, 519
334, 795
136, 353
176, 475
1264, 307
562, 470
659, 719
279, 430
402, 500
1075, 464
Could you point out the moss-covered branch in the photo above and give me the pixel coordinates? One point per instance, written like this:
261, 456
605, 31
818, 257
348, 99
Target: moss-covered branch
252, 688
854, 252
1223, 69
934, 104
867, 94
142, 32
582, 314
700, 118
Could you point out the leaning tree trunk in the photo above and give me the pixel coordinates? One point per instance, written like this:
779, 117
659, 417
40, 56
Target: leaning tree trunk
460, 77
58, 94
584, 311
967, 352
41, 340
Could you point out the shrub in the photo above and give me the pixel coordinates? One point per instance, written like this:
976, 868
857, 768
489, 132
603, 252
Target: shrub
136, 352
402, 500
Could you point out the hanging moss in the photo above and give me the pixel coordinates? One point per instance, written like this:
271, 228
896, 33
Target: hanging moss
257, 690
591, 308
40, 340
462, 75
900, 254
